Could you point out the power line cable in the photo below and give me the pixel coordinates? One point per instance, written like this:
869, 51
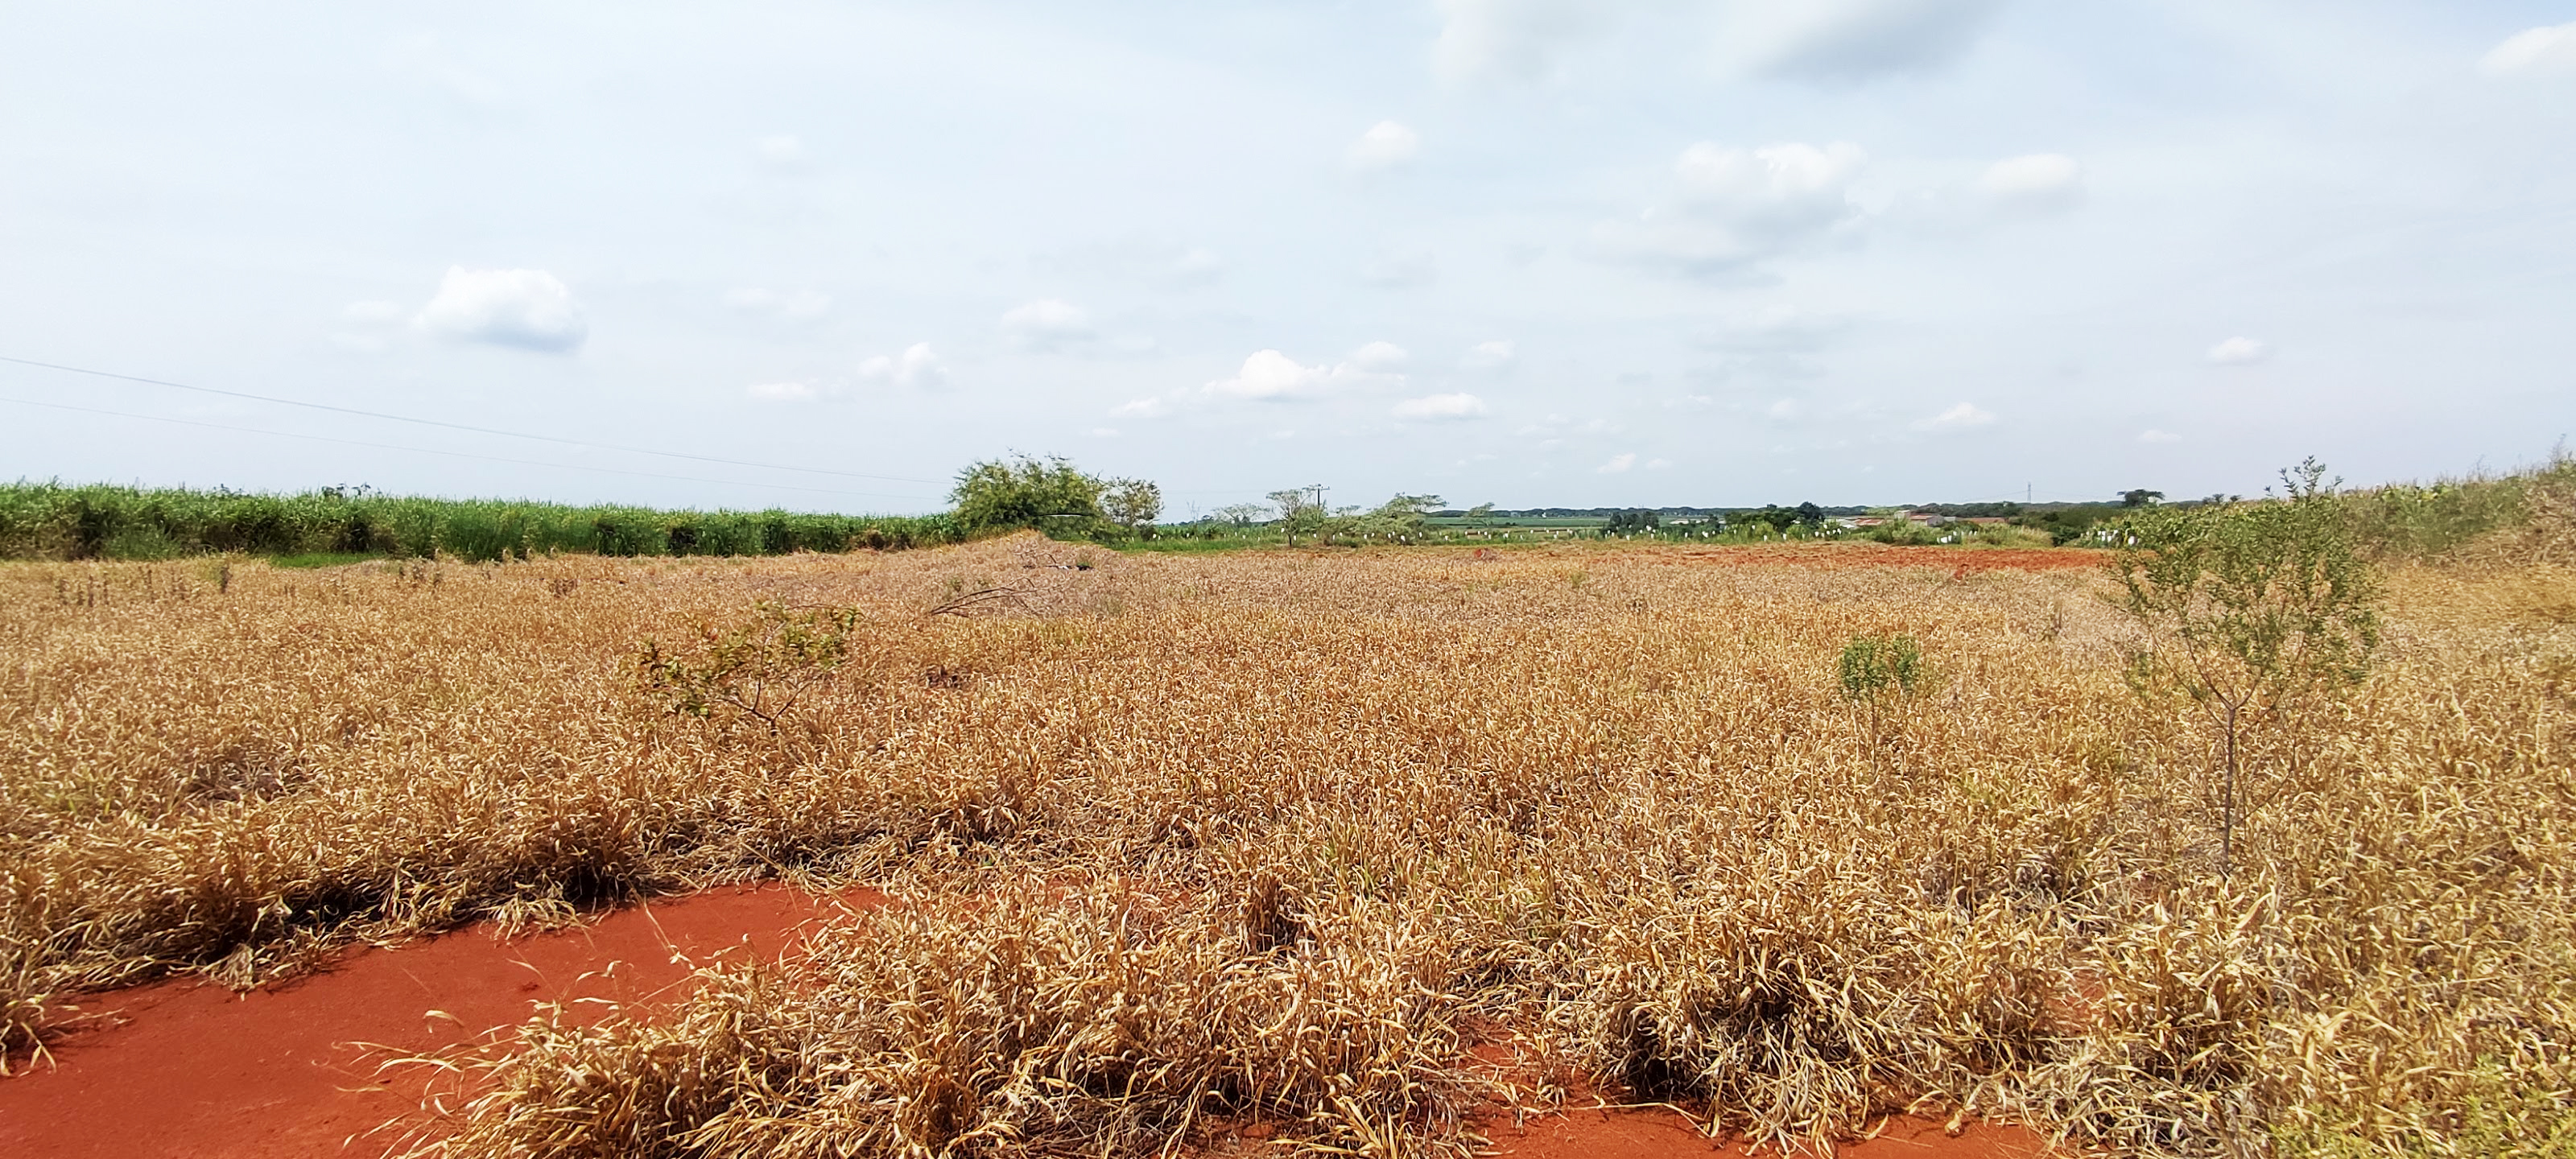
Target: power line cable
457, 426
450, 454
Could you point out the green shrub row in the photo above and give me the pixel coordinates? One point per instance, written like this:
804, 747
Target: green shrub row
53, 521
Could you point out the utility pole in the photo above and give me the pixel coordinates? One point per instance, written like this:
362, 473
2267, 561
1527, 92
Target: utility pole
1319, 490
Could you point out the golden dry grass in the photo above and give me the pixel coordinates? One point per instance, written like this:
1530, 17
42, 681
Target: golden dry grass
1268, 834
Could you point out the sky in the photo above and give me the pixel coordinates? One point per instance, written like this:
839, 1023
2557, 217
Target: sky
1529, 252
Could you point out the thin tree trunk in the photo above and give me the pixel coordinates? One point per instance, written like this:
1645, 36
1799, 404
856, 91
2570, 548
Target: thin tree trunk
2227, 802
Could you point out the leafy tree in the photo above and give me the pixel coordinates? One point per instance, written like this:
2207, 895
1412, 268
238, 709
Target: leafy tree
1481, 515
2141, 497
1634, 520
2253, 610
1133, 504
1237, 514
1810, 515
1048, 494
1403, 519
1299, 514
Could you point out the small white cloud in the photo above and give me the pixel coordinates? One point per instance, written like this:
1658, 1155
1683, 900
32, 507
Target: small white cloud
527, 309
1379, 356
2152, 435
1395, 269
1386, 145
1441, 406
1784, 410
1618, 464
1659, 464
792, 305
1733, 207
2533, 52
1270, 375
1493, 355
2239, 351
918, 366
1958, 418
2040, 183
1145, 408
1047, 324
782, 391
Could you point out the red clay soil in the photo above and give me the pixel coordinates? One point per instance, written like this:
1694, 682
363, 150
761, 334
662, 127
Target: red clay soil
1958, 561
187, 1069
1654, 1133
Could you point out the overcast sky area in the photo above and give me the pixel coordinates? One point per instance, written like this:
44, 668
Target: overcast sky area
1533, 252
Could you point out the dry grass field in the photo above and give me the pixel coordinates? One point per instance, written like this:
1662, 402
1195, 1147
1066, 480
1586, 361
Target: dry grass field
1302, 837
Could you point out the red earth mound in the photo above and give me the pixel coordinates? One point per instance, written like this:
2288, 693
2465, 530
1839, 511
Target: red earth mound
182, 1068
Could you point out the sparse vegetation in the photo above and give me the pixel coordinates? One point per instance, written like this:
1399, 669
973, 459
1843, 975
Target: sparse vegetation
2253, 611
1182, 840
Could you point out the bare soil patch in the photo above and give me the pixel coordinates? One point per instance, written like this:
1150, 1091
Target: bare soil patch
189, 1068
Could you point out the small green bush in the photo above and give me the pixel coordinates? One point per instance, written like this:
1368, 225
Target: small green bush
1873, 666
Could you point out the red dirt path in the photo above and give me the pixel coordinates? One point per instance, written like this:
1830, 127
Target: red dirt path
1958, 561
186, 1069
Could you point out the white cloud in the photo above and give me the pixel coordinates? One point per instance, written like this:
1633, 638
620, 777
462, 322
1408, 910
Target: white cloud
1618, 464
1733, 207
2533, 52
1271, 376
1958, 418
1387, 145
2040, 183
1379, 356
1784, 410
1047, 324
1659, 464
2152, 435
782, 391
1848, 39
792, 305
1493, 355
1145, 408
918, 366
528, 309
1395, 269
1511, 39
1441, 406
2239, 351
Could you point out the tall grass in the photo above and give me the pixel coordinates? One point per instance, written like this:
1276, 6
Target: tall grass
52, 521
1181, 840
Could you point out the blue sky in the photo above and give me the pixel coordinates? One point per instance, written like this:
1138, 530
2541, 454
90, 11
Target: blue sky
1521, 251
